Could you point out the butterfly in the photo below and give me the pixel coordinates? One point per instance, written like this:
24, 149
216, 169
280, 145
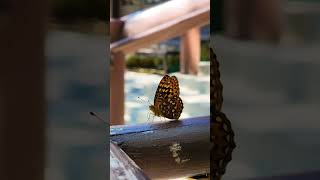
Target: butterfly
222, 134
167, 102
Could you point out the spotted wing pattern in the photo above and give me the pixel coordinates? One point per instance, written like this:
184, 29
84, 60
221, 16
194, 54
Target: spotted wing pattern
222, 134
167, 100
171, 107
216, 83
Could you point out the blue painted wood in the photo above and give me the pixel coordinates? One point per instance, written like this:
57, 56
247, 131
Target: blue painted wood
127, 129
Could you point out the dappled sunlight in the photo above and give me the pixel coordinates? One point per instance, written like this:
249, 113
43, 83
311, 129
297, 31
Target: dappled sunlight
194, 92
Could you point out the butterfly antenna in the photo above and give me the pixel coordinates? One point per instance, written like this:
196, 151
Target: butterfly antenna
149, 116
144, 100
98, 117
153, 118
140, 98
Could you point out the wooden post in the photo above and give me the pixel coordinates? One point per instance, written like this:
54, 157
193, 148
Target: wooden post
22, 90
115, 29
175, 27
139, 31
117, 71
117, 89
190, 51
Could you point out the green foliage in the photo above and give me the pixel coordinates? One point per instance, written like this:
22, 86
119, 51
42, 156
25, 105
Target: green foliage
142, 61
152, 62
133, 61
156, 62
204, 54
173, 63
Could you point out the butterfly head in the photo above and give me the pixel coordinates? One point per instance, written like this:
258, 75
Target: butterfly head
154, 110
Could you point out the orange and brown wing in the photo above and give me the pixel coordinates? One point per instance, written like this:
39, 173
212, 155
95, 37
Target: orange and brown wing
160, 90
174, 83
171, 107
168, 87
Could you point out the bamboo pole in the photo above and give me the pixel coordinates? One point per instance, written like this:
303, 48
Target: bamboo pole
167, 150
190, 51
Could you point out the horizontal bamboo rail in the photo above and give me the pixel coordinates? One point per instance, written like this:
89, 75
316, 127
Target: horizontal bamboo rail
168, 30
154, 25
151, 17
167, 150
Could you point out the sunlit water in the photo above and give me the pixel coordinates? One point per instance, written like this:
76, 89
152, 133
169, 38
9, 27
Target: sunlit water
140, 90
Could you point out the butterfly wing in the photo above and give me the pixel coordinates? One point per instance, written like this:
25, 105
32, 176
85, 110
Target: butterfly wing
160, 93
174, 86
167, 100
216, 83
168, 87
171, 107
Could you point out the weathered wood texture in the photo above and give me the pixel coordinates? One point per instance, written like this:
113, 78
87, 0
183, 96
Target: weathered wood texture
167, 150
116, 27
162, 32
190, 51
117, 70
161, 14
122, 167
117, 77
157, 24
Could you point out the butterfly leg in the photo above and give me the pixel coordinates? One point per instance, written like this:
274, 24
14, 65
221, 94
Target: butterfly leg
153, 118
148, 116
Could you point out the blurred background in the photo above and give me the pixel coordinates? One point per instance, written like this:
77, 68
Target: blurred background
270, 65
152, 62
77, 83
54, 71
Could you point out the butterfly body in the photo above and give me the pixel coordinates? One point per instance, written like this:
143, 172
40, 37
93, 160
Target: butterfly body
167, 102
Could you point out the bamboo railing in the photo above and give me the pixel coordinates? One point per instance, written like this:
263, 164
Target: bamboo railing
169, 149
183, 147
160, 23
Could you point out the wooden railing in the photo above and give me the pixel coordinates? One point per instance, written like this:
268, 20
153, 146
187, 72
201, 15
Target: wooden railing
171, 19
165, 150
171, 29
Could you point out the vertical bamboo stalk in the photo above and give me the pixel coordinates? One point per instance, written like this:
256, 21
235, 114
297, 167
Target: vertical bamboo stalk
117, 89
117, 71
190, 51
